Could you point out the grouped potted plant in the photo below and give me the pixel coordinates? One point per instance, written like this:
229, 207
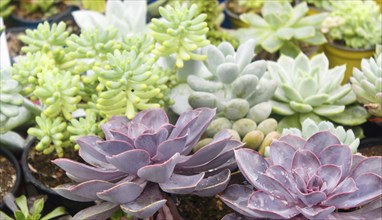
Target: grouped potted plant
140, 119
353, 32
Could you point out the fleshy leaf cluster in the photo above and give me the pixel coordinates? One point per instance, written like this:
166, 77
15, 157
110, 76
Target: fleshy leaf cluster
309, 89
142, 156
283, 28
306, 179
181, 31
367, 85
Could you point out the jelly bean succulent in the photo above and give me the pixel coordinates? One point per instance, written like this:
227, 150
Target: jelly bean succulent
235, 85
367, 85
181, 31
141, 156
358, 25
306, 179
283, 28
309, 89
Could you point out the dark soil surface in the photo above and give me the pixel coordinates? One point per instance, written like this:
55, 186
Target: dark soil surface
371, 151
197, 208
14, 44
45, 171
7, 176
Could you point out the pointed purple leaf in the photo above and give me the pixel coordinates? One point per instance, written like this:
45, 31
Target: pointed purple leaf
331, 175
181, 184
369, 188
315, 183
134, 130
213, 185
64, 191
150, 142
312, 198
149, 202
152, 118
130, 161
236, 197
339, 155
271, 207
281, 154
122, 193
306, 160
251, 164
316, 212
183, 123
114, 123
295, 141
84, 172
280, 174
321, 140
90, 153
118, 135
114, 147
160, 172
300, 182
89, 189
170, 147
347, 186
101, 211
208, 152
357, 158
368, 165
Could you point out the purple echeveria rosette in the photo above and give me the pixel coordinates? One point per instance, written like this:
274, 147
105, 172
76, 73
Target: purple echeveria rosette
143, 156
306, 179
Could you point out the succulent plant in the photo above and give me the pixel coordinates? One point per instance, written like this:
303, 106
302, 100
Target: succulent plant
367, 85
127, 16
306, 178
310, 127
5, 8
24, 209
138, 156
309, 89
358, 24
235, 85
283, 28
181, 32
46, 6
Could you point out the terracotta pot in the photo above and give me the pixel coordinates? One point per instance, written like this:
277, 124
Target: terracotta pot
10, 157
38, 188
339, 55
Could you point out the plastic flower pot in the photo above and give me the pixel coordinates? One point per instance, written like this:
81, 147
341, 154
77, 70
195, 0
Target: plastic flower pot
54, 200
339, 55
371, 146
4, 153
17, 21
233, 19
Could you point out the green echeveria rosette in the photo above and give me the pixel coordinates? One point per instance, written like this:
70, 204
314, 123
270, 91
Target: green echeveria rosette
52, 133
309, 89
283, 28
59, 93
367, 85
128, 84
181, 31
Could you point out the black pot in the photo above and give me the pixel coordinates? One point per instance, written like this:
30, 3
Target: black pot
16, 21
7, 154
35, 187
372, 129
371, 145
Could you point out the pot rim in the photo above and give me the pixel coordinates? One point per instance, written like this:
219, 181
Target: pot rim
7, 154
340, 47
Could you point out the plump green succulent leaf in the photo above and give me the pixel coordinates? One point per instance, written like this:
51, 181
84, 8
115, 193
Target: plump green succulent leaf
351, 116
260, 112
202, 99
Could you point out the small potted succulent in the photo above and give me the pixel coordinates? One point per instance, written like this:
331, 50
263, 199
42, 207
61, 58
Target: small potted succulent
30, 208
309, 89
314, 178
367, 85
353, 31
234, 85
282, 28
140, 159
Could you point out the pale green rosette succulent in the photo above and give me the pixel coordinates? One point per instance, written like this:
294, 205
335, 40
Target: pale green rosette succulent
235, 85
283, 28
367, 85
181, 31
309, 89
